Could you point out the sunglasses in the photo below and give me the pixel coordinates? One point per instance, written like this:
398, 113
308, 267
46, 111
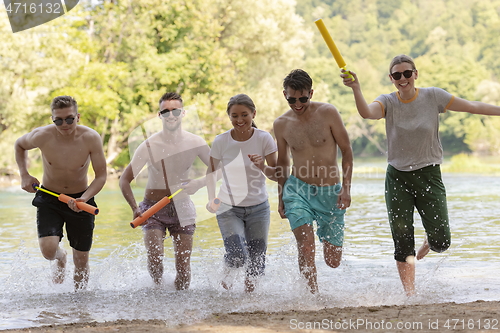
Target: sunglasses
68, 121
166, 113
407, 74
293, 100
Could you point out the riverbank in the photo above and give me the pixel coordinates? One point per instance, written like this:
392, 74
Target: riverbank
477, 316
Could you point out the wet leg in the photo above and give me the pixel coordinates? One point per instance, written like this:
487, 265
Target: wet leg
307, 251
183, 246
256, 263
153, 240
407, 274
250, 283
423, 250
332, 254
82, 270
49, 246
229, 277
232, 230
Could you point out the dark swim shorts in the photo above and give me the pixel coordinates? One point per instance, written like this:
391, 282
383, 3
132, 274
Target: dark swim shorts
52, 214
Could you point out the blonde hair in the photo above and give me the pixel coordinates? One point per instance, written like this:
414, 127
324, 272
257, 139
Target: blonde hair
399, 59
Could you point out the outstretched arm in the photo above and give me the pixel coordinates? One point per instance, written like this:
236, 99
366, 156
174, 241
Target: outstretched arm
367, 111
474, 107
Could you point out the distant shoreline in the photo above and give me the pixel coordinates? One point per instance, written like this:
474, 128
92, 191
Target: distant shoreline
370, 168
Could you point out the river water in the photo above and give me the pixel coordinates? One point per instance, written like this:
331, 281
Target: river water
120, 287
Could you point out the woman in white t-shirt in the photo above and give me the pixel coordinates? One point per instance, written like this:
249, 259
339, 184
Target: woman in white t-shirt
246, 155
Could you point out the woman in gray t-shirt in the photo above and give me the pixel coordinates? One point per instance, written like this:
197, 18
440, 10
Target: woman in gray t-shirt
413, 177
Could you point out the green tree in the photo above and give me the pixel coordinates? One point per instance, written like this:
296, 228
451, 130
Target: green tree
206, 50
118, 57
32, 63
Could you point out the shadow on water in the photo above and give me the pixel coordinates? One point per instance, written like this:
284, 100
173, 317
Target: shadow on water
120, 287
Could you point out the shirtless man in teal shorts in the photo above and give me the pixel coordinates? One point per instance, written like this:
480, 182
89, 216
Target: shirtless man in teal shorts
312, 132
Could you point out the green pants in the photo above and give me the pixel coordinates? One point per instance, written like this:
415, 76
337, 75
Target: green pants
423, 189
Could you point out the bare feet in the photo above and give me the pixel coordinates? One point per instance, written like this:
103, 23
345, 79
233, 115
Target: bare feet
59, 271
407, 274
229, 277
423, 250
249, 284
226, 285
410, 293
182, 281
313, 289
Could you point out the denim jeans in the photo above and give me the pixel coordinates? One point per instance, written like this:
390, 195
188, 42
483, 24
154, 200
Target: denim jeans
244, 231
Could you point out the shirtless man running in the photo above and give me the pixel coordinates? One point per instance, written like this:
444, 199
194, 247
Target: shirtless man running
67, 150
169, 155
313, 132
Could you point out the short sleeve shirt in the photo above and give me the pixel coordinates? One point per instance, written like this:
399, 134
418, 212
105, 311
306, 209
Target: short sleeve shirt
243, 184
412, 127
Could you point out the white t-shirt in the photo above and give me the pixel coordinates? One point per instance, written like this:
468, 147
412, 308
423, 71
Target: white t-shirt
243, 184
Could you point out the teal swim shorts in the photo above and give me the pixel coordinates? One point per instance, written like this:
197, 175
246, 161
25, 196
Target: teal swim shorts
305, 203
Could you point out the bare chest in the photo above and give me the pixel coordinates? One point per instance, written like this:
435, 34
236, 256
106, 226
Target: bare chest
70, 156
176, 162
311, 135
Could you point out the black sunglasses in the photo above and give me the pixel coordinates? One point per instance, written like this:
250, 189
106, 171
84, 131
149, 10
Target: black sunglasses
407, 74
293, 100
68, 121
166, 113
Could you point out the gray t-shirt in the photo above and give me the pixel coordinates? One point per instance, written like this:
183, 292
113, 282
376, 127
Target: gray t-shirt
412, 127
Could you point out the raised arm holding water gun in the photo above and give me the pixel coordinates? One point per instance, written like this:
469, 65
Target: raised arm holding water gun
67, 150
413, 177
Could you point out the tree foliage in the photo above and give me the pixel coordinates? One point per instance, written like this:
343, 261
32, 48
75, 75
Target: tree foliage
452, 42
117, 57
